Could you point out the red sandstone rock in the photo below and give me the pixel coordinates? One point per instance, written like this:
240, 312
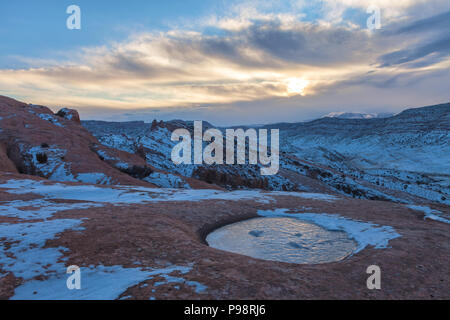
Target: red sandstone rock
35, 141
69, 114
6, 164
157, 234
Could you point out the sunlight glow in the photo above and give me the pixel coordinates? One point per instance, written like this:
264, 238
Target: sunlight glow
297, 86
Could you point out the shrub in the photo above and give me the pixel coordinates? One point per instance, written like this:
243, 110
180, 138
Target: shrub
41, 157
140, 152
138, 172
61, 113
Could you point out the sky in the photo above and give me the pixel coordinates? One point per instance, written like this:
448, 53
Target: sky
228, 62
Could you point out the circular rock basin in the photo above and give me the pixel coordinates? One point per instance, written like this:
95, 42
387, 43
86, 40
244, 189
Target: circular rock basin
282, 239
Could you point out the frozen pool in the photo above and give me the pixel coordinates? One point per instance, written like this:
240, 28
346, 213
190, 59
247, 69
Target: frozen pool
282, 239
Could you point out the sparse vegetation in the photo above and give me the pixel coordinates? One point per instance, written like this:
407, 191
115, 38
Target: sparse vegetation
41, 158
140, 152
61, 113
138, 172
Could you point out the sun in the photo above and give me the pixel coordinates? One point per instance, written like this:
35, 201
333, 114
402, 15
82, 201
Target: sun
297, 86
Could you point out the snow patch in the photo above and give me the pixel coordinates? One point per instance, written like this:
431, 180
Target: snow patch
94, 178
429, 213
105, 155
166, 180
99, 283
38, 209
135, 195
47, 117
53, 168
22, 247
199, 288
67, 114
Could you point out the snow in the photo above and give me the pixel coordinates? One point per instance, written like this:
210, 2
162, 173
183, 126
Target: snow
157, 141
121, 165
105, 155
380, 157
135, 195
54, 168
306, 195
38, 209
23, 250
411, 162
357, 115
364, 233
25, 256
166, 180
199, 288
93, 178
429, 213
432, 187
409, 152
47, 117
62, 173
100, 283
67, 114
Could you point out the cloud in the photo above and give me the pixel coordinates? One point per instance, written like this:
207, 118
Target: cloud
185, 68
435, 52
391, 10
439, 22
429, 42
251, 60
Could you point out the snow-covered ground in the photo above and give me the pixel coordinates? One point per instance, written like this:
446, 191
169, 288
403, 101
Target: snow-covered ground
54, 168
101, 283
25, 254
23, 250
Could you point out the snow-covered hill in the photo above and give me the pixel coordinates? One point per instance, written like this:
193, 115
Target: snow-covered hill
357, 115
398, 158
35, 141
409, 152
154, 143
